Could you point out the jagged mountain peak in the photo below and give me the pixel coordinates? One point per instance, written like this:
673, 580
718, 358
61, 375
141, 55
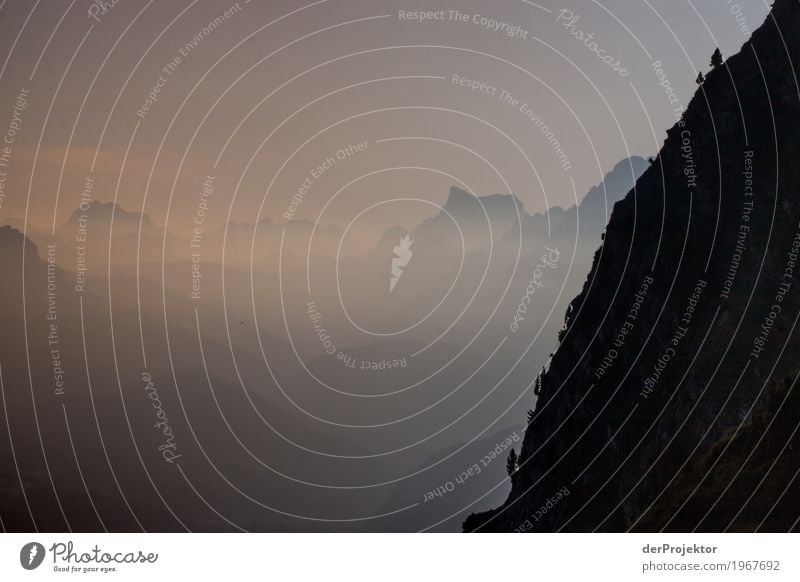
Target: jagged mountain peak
103, 211
460, 201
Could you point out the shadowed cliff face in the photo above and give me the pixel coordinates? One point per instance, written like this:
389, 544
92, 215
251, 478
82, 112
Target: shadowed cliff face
671, 402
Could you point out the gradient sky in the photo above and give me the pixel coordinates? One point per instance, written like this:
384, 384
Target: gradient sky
244, 95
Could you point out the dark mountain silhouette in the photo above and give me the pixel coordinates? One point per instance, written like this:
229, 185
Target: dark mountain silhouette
671, 402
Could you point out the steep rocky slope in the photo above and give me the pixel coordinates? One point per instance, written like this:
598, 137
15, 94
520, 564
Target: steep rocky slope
670, 403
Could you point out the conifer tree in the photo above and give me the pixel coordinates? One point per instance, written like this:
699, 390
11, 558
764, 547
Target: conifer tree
511, 462
716, 58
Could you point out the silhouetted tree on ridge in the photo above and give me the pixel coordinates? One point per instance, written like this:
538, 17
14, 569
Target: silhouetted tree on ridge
512, 463
716, 58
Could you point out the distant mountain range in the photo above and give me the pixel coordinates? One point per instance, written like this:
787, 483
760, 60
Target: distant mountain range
476, 301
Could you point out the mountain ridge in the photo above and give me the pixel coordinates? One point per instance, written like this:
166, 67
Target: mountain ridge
626, 418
